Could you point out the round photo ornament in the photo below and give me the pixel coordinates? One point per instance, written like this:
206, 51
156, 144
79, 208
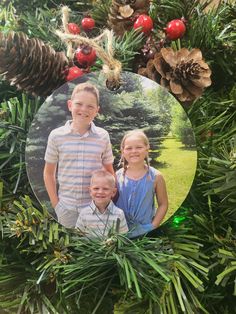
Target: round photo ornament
106, 149
159, 165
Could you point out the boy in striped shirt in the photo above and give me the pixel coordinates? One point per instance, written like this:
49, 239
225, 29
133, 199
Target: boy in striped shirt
96, 219
73, 152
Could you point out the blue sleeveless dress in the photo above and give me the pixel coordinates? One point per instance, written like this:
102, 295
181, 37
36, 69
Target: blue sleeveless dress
136, 198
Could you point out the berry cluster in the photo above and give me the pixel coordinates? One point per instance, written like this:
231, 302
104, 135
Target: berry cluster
85, 56
175, 29
87, 24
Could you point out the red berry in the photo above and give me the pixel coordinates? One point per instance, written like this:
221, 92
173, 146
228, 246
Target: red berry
87, 23
73, 28
73, 73
144, 22
175, 29
85, 55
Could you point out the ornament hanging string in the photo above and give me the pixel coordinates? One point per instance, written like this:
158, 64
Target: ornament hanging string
111, 66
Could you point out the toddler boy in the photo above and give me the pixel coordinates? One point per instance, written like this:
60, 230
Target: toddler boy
101, 215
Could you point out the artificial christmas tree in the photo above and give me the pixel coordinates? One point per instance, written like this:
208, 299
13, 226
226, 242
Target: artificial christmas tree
195, 249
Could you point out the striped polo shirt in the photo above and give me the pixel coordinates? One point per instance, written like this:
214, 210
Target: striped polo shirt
94, 223
77, 156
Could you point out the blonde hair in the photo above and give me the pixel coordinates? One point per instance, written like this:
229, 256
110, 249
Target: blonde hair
87, 87
101, 173
138, 133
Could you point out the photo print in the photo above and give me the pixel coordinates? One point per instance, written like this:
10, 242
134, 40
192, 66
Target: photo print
139, 103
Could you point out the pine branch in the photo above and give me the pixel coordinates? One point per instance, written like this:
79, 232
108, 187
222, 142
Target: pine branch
127, 47
214, 34
18, 115
214, 129
143, 266
8, 18
166, 10
32, 244
100, 11
42, 24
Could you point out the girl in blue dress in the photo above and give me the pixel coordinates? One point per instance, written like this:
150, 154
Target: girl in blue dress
138, 186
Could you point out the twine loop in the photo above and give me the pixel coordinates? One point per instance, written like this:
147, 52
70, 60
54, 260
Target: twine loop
103, 44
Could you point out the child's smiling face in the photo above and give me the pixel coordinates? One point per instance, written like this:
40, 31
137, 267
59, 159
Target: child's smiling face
83, 107
134, 150
101, 191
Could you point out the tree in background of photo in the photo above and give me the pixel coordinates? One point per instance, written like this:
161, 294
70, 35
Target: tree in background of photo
181, 127
136, 107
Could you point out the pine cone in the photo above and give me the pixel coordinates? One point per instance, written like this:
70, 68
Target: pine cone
30, 64
183, 72
123, 12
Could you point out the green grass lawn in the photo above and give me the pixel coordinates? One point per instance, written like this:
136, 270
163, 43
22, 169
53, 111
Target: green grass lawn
178, 165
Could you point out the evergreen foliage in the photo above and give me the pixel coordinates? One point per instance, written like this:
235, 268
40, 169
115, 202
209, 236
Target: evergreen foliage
17, 114
188, 264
